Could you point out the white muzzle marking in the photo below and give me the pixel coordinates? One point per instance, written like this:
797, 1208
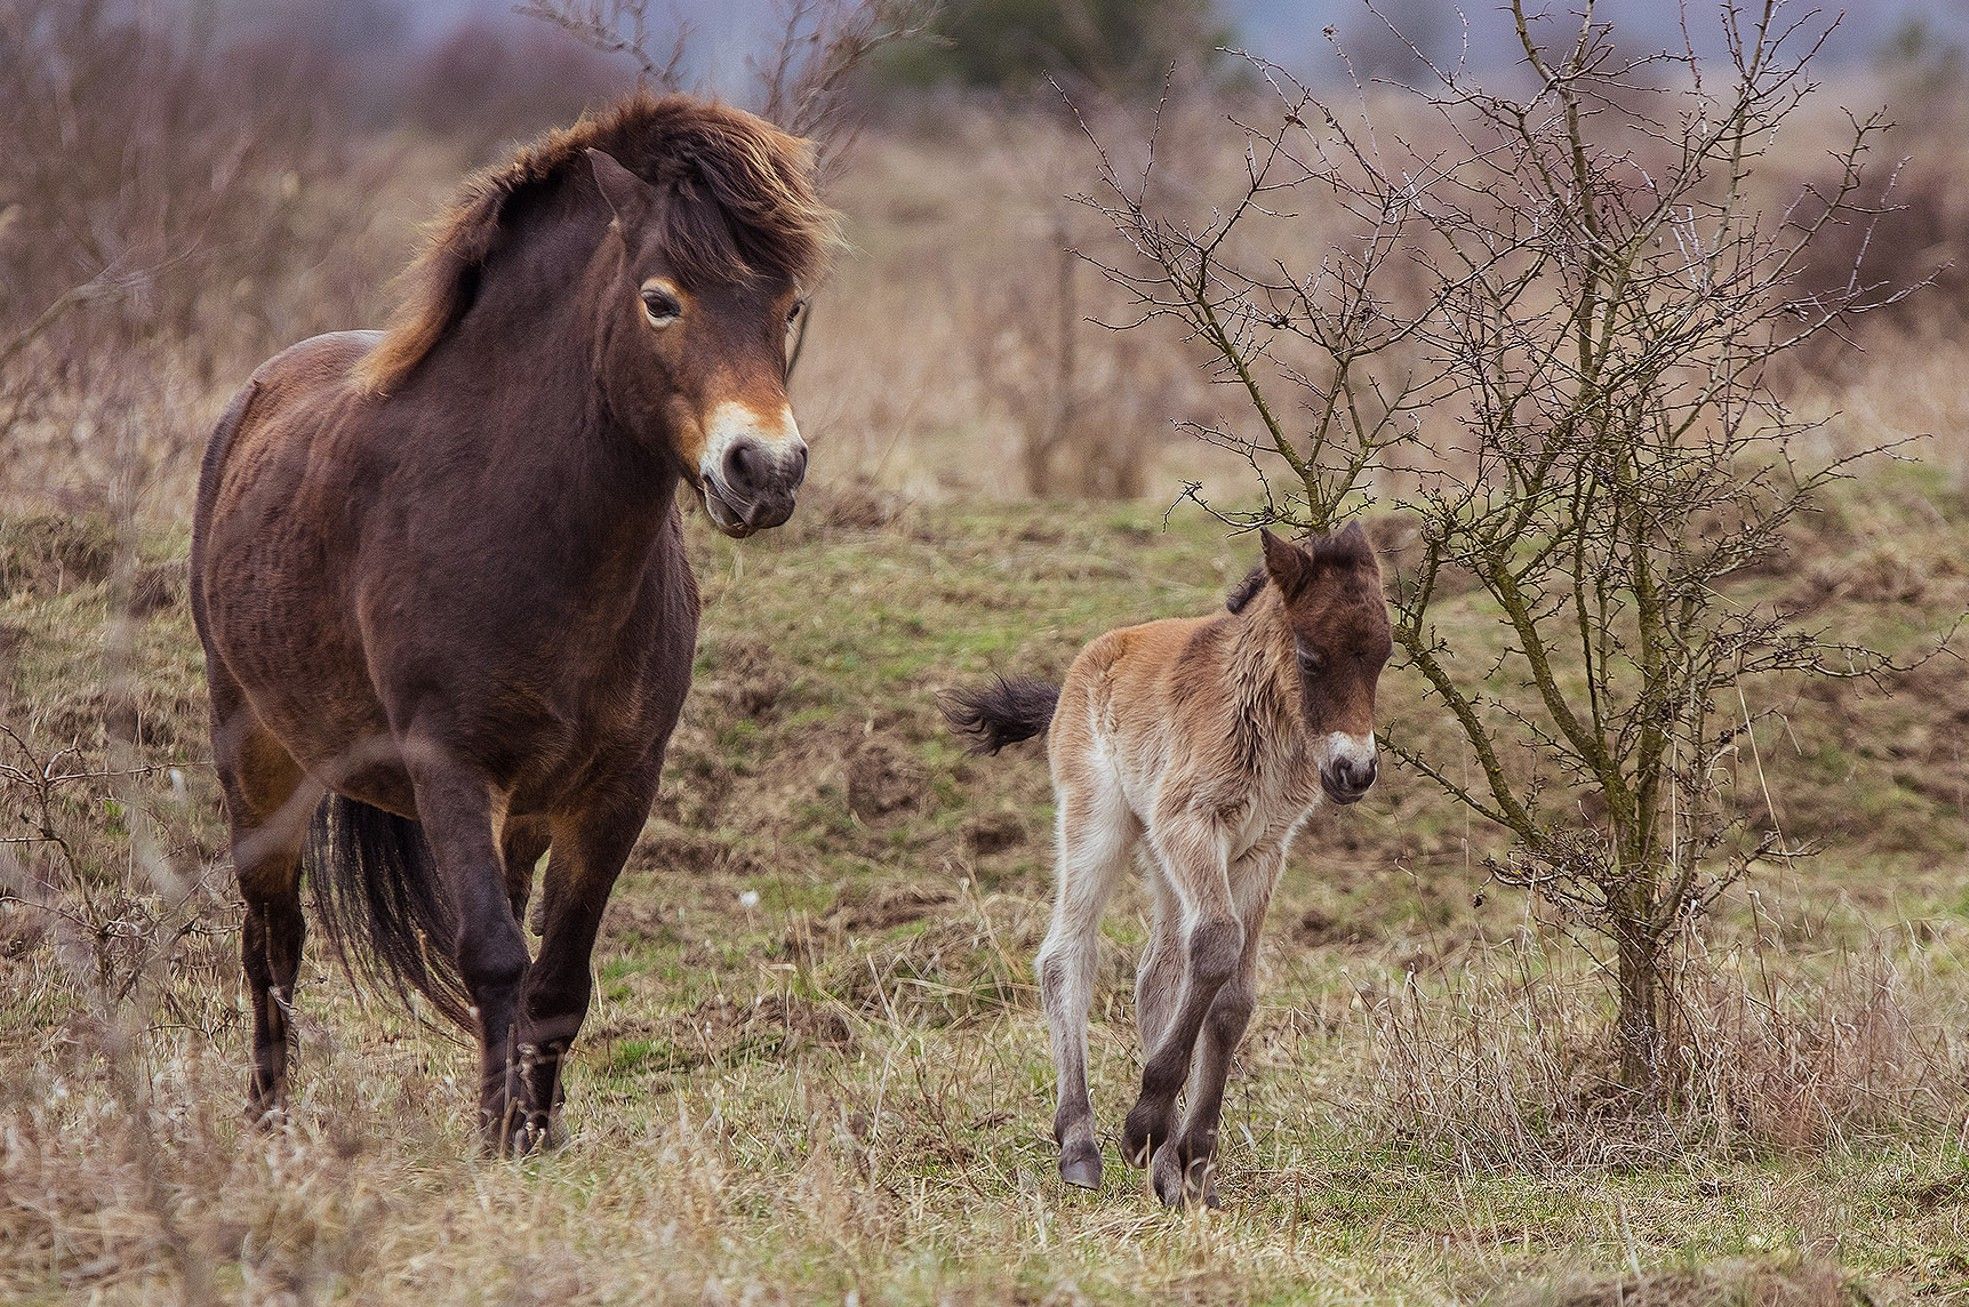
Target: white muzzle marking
1355, 749
734, 420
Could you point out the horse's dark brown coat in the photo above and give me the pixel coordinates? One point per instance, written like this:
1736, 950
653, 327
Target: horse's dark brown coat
439, 572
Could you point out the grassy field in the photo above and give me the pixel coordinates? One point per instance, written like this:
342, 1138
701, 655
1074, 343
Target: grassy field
815, 1070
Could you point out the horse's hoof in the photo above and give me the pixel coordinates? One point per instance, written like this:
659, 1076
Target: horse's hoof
545, 1136
1081, 1166
267, 1118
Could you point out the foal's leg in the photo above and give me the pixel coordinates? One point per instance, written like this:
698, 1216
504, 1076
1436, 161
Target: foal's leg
1192, 851
1096, 832
454, 803
588, 855
1159, 975
1192, 1160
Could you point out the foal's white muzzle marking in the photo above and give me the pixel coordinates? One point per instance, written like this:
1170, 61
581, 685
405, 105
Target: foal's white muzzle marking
1349, 771
1356, 749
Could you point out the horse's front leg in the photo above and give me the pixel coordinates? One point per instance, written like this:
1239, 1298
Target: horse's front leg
454, 803
589, 848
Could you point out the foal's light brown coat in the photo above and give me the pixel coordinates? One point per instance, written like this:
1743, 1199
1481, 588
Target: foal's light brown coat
1198, 747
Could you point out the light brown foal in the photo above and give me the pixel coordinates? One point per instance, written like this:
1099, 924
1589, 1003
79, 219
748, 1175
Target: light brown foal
1197, 746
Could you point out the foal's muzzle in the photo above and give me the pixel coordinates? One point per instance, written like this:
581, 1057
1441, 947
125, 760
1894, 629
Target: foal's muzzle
751, 469
1350, 768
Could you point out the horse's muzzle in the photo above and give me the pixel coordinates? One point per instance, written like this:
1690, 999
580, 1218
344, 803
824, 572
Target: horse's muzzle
753, 485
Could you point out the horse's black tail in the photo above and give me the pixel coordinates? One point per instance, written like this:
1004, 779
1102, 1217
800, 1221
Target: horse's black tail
1002, 713
377, 895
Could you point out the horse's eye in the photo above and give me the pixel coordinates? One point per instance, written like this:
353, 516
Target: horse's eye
1309, 662
793, 314
661, 306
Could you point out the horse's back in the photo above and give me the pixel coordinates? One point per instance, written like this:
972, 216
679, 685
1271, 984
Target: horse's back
299, 378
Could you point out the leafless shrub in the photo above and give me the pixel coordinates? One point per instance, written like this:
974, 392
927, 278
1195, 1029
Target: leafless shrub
803, 81
1570, 287
1090, 406
158, 227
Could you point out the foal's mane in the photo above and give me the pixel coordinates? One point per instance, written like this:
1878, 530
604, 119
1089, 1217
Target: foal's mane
743, 201
1348, 548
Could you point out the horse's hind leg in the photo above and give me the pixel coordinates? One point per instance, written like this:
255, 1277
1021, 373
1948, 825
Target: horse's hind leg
521, 846
1096, 834
268, 803
589, 851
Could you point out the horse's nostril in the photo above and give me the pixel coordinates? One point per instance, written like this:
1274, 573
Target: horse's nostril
745, 468
797, 465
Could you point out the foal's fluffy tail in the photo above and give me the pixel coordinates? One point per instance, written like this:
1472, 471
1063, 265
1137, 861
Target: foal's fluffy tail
1001, 713
376, 893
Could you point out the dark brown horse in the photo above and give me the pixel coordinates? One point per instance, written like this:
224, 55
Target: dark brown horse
440, 578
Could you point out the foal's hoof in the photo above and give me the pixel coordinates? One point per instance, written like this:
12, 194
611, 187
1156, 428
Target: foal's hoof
539, 1137
1080, 1166
1183, 1184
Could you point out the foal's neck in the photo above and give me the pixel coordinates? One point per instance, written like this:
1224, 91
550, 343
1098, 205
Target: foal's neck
1260, 675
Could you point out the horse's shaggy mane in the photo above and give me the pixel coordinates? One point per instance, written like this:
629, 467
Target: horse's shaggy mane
744, 201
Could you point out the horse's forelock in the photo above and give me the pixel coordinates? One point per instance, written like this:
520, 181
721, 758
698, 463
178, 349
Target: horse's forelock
748, 203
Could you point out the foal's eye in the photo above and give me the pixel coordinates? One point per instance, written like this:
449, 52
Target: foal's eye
793, 314
1310, 662
661, 306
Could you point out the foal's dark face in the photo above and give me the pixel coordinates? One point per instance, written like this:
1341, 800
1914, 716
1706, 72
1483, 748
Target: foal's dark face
1341, 640
700, 364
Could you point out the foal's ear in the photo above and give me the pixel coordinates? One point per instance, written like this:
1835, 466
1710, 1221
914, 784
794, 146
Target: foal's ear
629, 197
1289, 566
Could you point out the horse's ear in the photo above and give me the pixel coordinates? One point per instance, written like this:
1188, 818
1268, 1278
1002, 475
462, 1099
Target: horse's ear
629, 197
1288, 565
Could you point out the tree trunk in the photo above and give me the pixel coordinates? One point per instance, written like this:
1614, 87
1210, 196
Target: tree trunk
1639, 1021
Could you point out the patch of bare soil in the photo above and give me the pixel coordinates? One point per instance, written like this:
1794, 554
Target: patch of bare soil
860, 909
884, 779
1316, 928
745, 678
669, 850
986, 833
